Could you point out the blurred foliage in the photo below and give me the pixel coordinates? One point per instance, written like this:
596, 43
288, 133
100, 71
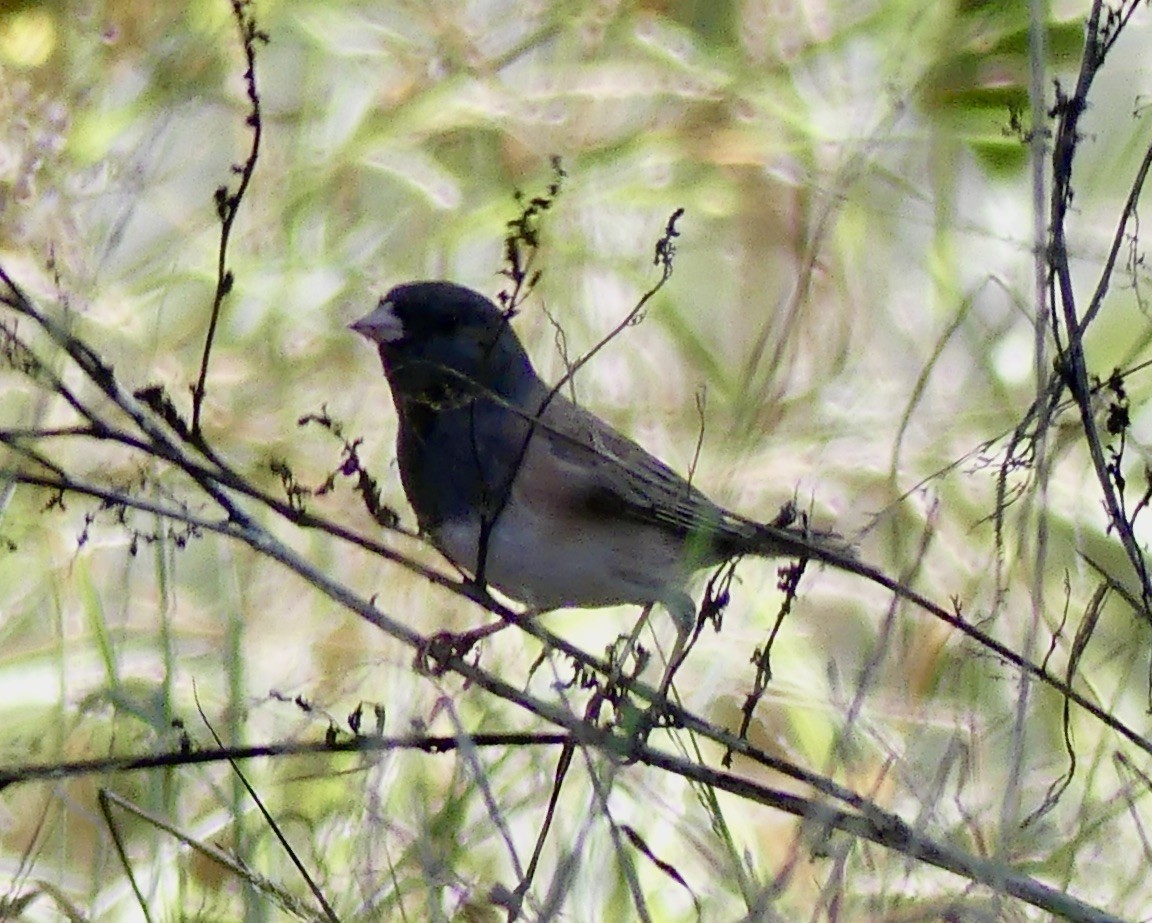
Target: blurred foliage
851, 301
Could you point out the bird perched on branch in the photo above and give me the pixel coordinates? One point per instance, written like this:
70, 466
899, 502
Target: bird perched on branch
530, 493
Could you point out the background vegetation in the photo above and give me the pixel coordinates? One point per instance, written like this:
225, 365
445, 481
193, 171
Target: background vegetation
868, 314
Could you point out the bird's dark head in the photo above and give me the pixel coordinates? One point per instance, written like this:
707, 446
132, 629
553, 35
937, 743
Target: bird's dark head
442, 343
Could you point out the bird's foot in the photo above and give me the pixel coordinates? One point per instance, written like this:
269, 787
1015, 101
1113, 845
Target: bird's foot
434, 656
639, 723
787, 516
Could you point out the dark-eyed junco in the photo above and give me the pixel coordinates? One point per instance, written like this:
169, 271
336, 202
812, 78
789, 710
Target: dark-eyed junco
527, 491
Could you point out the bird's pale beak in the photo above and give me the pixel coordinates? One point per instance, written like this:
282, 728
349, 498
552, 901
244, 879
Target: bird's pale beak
380, 325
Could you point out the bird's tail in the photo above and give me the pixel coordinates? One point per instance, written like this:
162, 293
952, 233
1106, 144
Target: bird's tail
796, 541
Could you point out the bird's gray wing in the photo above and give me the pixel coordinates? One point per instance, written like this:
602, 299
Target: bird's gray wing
619, 477
627, 480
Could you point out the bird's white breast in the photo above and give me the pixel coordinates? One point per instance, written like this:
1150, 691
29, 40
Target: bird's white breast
552, 564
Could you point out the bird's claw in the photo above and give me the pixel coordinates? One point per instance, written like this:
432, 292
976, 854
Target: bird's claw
434, 656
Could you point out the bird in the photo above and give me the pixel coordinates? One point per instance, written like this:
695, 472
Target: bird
526, 491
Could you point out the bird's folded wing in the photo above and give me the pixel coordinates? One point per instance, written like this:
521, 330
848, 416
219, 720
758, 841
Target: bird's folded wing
619, 473
615, 476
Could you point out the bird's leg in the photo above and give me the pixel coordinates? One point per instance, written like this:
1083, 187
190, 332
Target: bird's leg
679, 650
683, 612
629, 646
